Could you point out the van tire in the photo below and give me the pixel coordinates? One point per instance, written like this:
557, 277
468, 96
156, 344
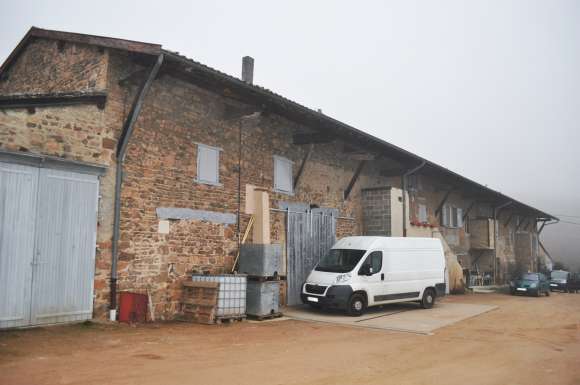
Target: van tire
428, 299
356, 305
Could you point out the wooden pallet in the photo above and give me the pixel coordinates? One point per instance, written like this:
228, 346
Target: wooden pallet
257, 278
230, 319
199, 301
265, 316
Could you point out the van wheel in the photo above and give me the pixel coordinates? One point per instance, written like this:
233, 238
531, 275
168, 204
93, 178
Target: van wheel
428, 299
356, 305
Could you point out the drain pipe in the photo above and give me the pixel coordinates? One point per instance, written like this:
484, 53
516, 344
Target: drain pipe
121, 152
404, 189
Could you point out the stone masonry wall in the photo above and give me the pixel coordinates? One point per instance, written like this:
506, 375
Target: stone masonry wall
161, 172
47, 66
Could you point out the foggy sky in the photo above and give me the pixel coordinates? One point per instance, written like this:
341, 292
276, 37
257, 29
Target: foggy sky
489, 89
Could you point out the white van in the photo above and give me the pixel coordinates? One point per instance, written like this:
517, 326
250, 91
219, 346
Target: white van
359, 272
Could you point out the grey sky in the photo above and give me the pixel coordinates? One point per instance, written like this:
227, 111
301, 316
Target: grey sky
490, 89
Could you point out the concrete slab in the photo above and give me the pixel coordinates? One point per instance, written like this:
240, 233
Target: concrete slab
404, 317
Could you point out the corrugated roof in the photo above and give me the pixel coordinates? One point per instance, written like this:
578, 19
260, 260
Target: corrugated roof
269, 97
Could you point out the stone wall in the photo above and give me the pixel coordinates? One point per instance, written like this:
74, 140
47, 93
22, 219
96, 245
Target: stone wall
161, 171
48, 66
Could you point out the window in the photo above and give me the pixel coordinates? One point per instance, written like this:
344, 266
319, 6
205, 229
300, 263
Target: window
208, 159
423, 213
283, 175
374, 261
451, 216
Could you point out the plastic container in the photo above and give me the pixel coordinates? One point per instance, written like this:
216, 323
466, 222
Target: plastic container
263, 298
261, 260
231, 295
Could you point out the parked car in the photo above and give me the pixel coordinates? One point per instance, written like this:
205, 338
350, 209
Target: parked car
559, 280
534, 284
573, 284
359, 272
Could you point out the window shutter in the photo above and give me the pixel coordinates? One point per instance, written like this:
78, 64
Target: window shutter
445, 215
422, 213
453, 213
283, 174
207, 164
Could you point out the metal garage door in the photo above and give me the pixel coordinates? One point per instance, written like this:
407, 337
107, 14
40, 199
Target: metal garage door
310, 234
47, 245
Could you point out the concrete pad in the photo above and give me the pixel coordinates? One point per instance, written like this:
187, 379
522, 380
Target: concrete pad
404, 317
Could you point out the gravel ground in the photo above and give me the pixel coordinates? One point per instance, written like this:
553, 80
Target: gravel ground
525, 341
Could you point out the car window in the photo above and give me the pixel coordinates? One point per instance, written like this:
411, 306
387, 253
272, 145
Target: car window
375, 261
530, 277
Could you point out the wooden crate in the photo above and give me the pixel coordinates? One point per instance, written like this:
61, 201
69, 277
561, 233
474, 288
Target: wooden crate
199, 301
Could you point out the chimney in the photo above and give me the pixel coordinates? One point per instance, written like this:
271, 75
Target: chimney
248, 69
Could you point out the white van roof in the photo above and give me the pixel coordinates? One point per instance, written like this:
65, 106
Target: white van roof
366, 243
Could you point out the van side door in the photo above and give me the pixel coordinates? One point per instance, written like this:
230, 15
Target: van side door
372, 275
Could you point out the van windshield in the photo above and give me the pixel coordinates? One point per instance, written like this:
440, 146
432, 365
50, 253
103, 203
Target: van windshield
340, 260
559, 274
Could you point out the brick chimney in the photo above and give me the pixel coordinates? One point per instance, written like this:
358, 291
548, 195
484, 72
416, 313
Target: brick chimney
248, 69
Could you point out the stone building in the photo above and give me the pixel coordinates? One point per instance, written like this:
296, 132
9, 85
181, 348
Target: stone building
176, 154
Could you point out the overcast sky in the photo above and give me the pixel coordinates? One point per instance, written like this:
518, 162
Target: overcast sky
490, 89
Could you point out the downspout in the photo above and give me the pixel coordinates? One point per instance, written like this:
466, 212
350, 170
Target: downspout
121, 152
404, 189
496, 210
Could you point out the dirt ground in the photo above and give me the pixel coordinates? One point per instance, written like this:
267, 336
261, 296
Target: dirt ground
524, 341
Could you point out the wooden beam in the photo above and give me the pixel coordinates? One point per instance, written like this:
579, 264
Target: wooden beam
354, 178
468, 210
301, 169
301, 139
440, 206
506, 224
520, 224
362, 157
28, 101
545, 251
542, 227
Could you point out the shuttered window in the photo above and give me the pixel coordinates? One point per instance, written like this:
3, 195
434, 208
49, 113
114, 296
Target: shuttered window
422, 213
283, 175
447, 216
452, 216
208, 159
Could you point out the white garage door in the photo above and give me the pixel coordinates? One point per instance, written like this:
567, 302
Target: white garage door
48, 223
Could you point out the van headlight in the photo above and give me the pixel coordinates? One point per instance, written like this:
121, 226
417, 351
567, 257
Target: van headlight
343, 278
